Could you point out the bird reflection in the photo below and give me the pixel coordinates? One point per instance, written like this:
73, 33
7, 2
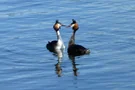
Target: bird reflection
58, 68
75, 69
59, 54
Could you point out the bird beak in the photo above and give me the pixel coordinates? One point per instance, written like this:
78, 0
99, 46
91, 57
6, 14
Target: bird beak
69, 26
63, 25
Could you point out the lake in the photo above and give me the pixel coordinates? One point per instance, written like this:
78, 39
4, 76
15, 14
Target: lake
106, 27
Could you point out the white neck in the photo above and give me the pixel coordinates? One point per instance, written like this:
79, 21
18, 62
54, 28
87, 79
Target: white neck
60, 42
58, 35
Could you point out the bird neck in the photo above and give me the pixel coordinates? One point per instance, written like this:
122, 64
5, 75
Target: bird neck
60, 41
72, 39
58, 35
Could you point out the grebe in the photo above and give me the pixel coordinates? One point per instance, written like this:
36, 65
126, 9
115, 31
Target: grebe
53, 46
75, 49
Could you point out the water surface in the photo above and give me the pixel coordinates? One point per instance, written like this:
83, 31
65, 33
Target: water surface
106, 28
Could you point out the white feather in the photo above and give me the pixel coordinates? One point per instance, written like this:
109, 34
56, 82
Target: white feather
72, 25
60, 44
59, 25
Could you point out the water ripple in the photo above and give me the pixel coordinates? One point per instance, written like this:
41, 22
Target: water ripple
106, 28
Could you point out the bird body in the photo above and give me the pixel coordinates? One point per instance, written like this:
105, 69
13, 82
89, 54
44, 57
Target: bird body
56, 44
75, 49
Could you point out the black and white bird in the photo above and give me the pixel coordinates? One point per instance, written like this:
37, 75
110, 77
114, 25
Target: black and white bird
58, 44
75, 49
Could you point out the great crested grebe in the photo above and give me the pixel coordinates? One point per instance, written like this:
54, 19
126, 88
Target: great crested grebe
54, 45
75, 49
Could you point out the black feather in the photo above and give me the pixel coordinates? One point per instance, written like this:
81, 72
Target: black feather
77, 50
51, 46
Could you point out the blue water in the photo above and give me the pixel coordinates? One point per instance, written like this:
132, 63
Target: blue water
106, 28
